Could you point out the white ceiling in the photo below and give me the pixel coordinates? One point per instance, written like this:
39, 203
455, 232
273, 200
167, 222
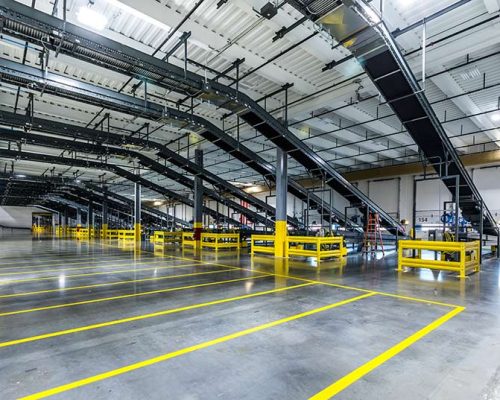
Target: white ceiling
350, 137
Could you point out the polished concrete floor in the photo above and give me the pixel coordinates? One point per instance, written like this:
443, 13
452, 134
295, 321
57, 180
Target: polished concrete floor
82, 320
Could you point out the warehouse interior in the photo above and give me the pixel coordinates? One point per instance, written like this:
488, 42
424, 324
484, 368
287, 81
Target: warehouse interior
250, 199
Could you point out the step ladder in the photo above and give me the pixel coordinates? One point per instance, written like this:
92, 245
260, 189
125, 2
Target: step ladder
373, 235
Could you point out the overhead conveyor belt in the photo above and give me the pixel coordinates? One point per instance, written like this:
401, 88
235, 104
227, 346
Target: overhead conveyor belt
115, 139
19, 74
55, 84
72, 145
115, 201
37, 157
39, 187
36, 27
163, 217
148, 214
374, 47
112, 139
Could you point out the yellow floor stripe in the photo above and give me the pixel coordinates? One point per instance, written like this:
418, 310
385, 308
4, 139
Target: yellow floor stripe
147, 316
124, 296
71, 256
8, 282
186, 350
128, 264
61, 290
86, 261
83, 260
402, 297
366, 368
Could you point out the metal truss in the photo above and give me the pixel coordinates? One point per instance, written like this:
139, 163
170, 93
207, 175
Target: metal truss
36, 27
20, 155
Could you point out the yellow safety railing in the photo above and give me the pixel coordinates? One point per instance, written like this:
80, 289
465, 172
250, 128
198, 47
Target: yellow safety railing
220, 240
167, 237
126, 234
112, 234
95, 233
261, 244
321, 247
41, 229
188, 239
468, 255
82, 233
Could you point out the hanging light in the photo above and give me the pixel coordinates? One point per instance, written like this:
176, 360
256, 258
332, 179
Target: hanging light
495, 117
91, 18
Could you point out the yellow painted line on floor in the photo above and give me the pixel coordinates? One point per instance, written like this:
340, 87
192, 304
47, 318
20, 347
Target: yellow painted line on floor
366, 368
128, 264
8, 282
72, 256
83, 261
88, 261
96, 285
125, 296
402, 297
186, 350
149, 315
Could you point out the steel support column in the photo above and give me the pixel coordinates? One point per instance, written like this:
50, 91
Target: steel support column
137, 212
198, 200
65, 221
481, 229
90, 217
281, 196
104, 226
78, 217
498, 243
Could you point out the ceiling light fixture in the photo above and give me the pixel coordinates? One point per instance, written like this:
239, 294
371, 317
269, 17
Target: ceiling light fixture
91, 18
495, 117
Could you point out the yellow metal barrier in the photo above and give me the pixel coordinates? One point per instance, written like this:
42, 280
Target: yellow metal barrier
167, 237
94, 233
260, 244
41, 229
188, 239
468, 255
82, 233
220, 240
322, 247
112, 234
126, 234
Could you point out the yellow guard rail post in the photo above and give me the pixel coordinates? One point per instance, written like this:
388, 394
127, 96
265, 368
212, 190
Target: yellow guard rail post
112, 234
127, 234
255, 247
468, 255
188, 239
220, 240
324, 247
82, 233
162, 237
